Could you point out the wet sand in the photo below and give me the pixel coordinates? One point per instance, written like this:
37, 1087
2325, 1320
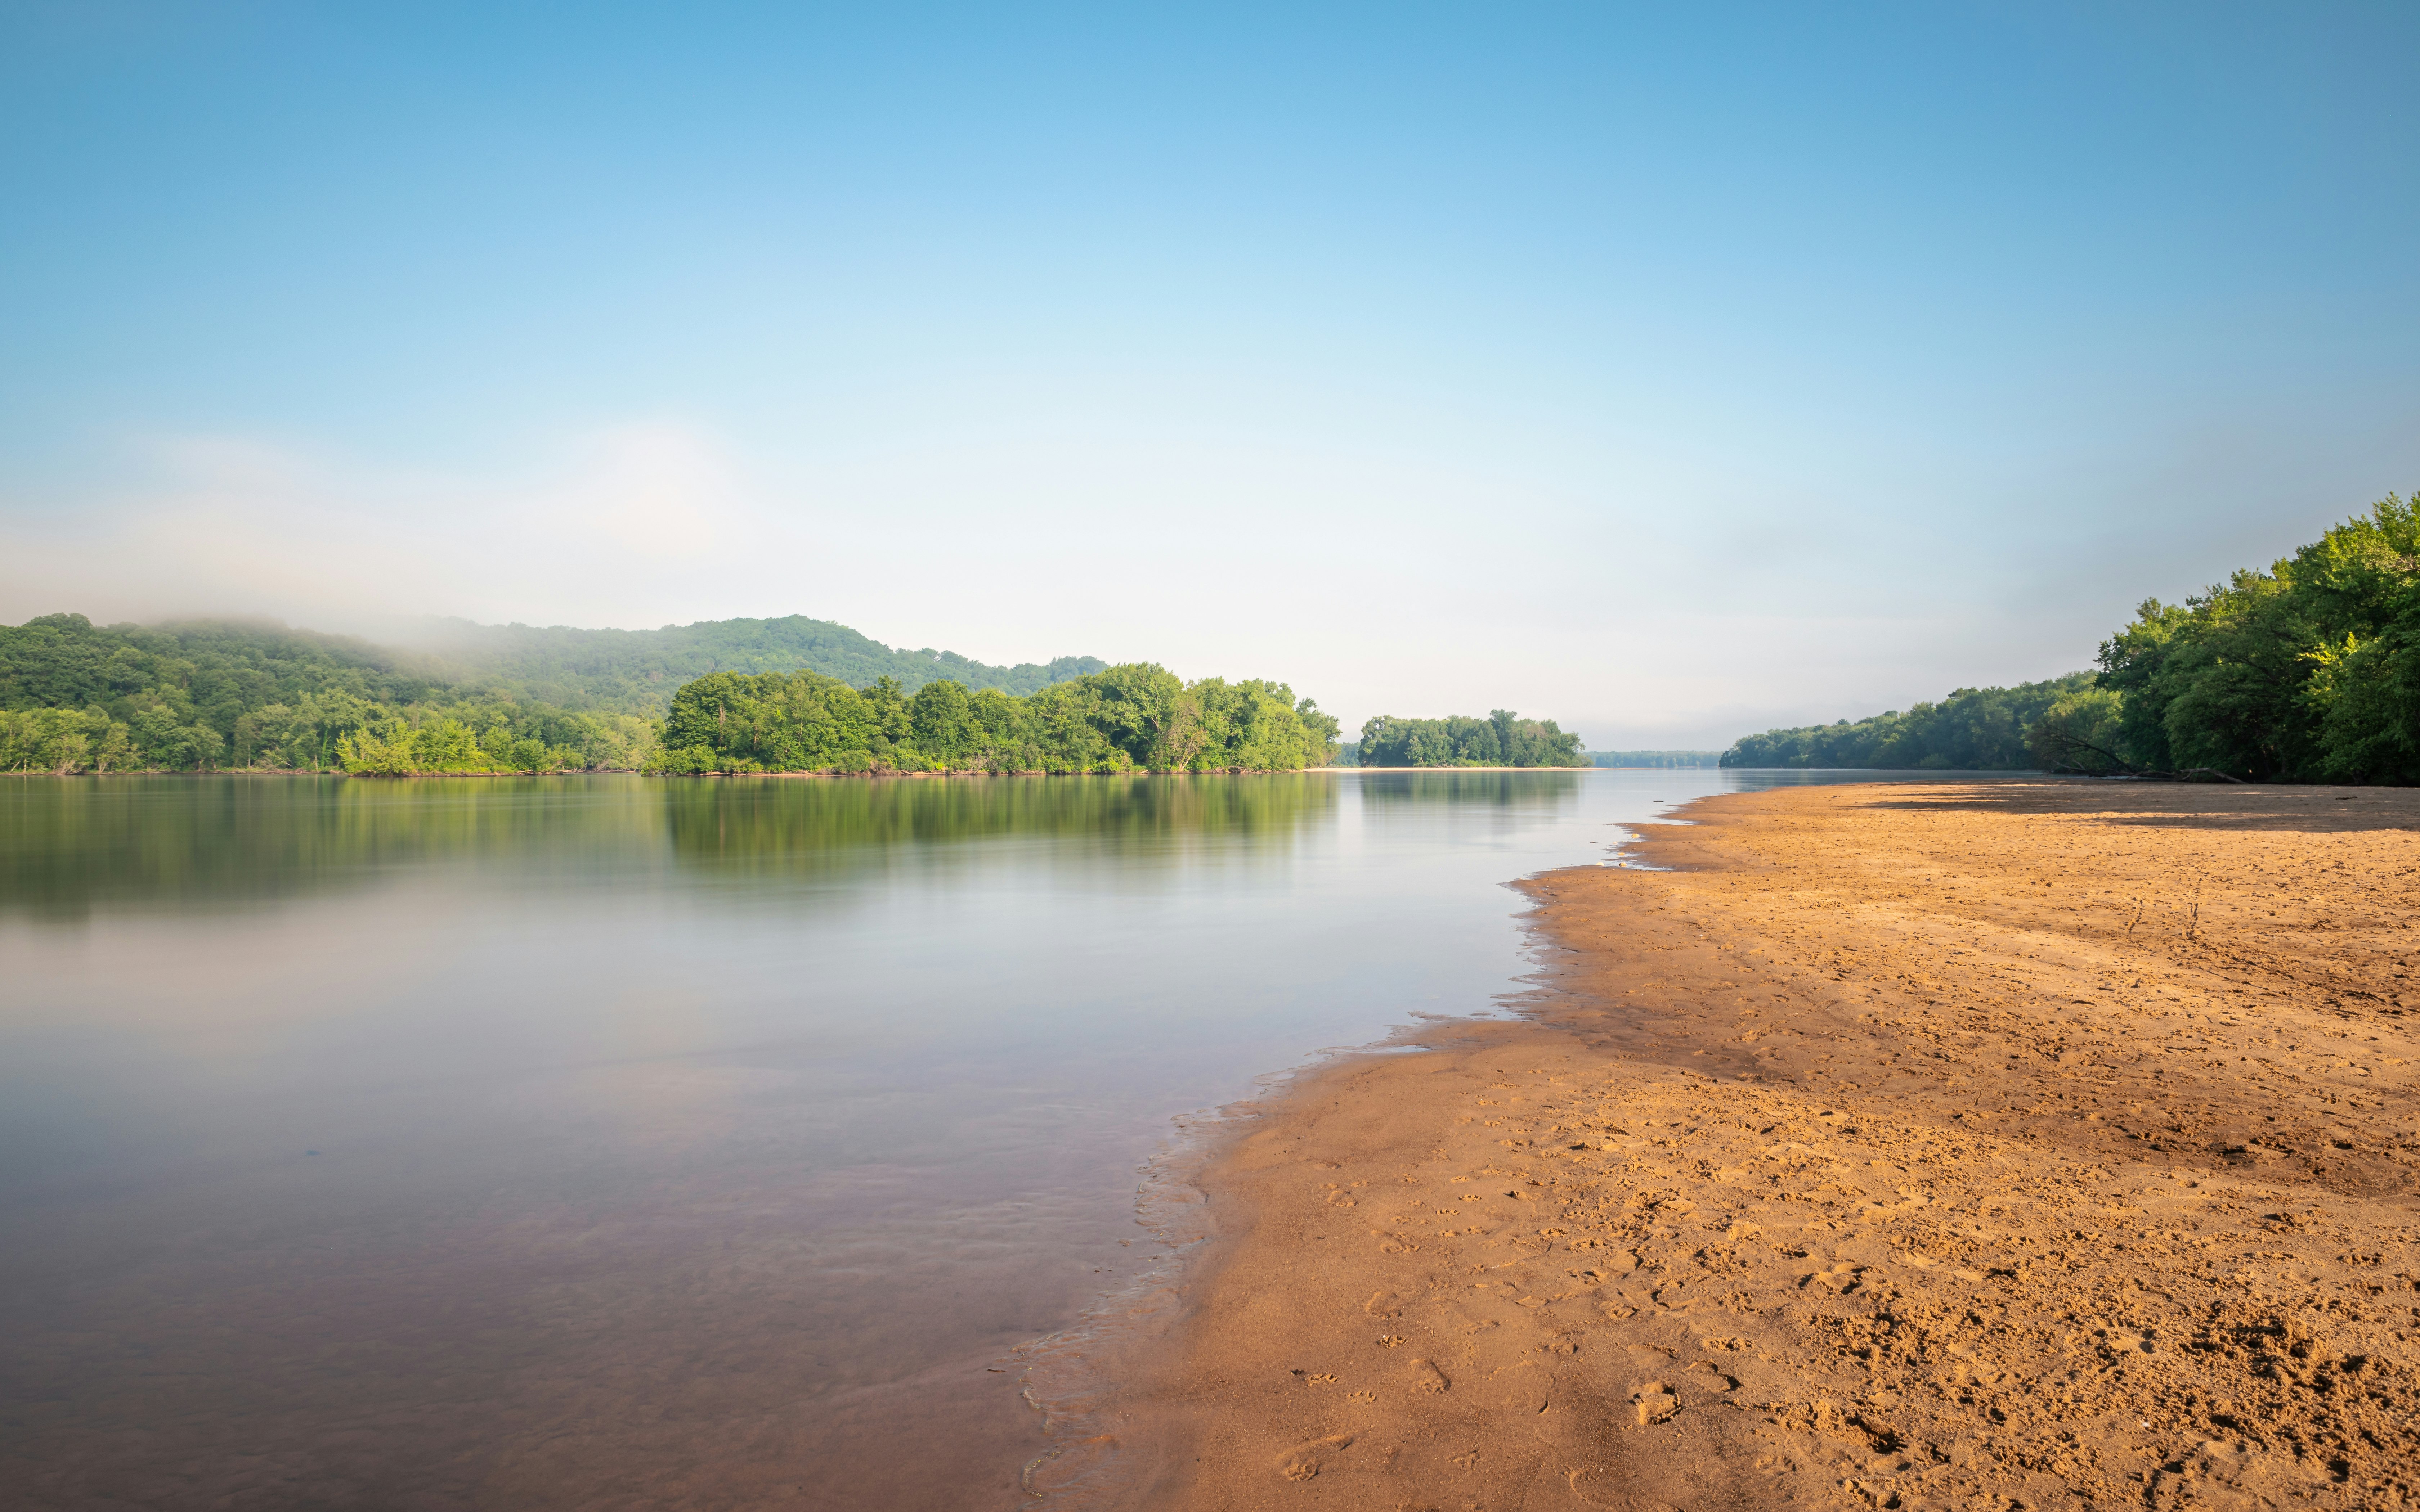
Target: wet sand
2029, 1143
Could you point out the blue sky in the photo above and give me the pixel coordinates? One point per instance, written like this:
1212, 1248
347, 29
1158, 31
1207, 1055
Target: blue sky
1674, 371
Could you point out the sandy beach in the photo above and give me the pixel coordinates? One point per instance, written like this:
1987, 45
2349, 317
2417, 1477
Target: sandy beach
2020, 1144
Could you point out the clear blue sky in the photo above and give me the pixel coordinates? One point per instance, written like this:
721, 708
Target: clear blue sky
1674, 371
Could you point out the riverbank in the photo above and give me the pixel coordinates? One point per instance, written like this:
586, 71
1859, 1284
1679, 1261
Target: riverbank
2042, 1144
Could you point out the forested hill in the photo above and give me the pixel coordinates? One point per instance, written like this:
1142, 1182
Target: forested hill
1973, 729
77, 697
636, 672
216, 693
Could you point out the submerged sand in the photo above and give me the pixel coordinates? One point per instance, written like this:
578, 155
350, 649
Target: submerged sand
2029, 1143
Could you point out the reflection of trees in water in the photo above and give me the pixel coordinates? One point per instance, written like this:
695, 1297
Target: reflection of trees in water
786, 825
198, 843
1546, 791
67, 847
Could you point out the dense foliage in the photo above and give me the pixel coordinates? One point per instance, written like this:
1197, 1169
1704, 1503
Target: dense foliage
1665, 759
637, 672
213, 694
2309, 672
1973, 729
79, 697
1501, 739
2306, 672
1134, 718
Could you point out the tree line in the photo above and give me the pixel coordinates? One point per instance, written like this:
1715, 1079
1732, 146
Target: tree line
211, 695
1501, 739
2308, 672
203, 695
1973, 729
77, 697
220, 695
1129, 718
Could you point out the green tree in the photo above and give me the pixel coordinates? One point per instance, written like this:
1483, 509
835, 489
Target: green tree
1974, 730
206, 694
941, 724
1501, 739
1124, 718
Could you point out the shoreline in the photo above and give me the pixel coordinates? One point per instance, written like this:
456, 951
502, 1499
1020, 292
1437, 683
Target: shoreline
628, 771
2042, 1141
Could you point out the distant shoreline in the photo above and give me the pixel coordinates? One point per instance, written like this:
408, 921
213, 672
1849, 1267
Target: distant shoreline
628, 771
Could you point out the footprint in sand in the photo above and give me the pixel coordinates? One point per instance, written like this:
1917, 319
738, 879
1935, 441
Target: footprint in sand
1653, 1402
1305, 1461
1842, 1278
1385, 1305
1427, 1377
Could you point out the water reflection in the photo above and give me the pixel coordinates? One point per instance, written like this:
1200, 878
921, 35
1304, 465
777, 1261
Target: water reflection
1381, 788
524, 1142
773, 824
186, 844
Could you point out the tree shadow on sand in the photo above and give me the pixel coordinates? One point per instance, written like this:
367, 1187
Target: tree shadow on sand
2183, 806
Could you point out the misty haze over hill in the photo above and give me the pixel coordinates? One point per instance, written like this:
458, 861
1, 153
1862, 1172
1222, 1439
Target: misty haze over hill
635, 671
72, 662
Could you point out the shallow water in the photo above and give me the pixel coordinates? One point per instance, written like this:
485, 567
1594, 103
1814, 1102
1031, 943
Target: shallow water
609, 1142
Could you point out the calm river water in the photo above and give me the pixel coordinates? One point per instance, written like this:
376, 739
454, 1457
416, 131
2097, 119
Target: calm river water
619, 1143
